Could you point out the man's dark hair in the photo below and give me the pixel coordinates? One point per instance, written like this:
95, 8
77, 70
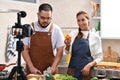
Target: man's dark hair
45, 7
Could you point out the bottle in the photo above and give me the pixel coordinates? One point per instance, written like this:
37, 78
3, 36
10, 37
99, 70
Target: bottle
98, 27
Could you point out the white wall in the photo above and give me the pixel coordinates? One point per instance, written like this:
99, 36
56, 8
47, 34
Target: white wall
64, 11
9, 19
110, 19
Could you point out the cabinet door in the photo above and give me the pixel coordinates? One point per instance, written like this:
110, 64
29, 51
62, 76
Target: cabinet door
110, 19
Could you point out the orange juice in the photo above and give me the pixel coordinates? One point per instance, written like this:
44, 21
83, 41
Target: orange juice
68, 58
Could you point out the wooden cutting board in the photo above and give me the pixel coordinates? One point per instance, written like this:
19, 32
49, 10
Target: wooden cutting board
110, 56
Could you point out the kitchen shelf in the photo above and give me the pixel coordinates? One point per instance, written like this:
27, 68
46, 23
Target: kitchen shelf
111, 38
98, 17
3, 10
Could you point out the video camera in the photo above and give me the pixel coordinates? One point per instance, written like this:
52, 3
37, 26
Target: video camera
21, 31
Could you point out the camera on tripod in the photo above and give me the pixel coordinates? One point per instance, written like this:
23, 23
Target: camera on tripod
21, 31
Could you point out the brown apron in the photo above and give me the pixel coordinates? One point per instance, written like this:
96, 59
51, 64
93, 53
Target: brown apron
41, 52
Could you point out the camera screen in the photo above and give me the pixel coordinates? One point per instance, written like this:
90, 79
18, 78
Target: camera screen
16, 32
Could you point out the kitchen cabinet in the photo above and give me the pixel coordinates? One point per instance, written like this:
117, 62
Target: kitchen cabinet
107, 15
110, 23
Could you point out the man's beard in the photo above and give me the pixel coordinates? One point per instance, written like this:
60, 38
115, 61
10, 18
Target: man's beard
42, 25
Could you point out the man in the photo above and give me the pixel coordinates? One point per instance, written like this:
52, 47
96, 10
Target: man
39, 48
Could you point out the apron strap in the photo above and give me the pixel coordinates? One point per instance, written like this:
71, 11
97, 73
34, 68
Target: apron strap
33, 26
88, 36
50, 30
51, 26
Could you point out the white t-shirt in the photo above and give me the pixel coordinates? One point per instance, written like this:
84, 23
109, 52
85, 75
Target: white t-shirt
57, 35
94, 44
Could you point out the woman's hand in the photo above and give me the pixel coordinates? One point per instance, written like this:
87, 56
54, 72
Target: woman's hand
86, 69
67, 42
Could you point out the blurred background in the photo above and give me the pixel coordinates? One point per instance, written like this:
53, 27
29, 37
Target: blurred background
64, 14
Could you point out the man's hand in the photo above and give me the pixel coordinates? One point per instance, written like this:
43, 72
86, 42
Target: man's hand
34, 70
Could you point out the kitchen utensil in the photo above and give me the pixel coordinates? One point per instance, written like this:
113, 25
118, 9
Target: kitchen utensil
115, 78
110, 56
96, 8
3, 66
39, 72
101, 73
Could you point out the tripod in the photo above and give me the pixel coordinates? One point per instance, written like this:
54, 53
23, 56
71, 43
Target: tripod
18, 69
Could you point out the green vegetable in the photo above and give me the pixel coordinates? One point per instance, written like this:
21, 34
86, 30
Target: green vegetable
65, 77
49, 77
94, 78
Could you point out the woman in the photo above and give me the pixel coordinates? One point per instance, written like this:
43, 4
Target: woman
85, 46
